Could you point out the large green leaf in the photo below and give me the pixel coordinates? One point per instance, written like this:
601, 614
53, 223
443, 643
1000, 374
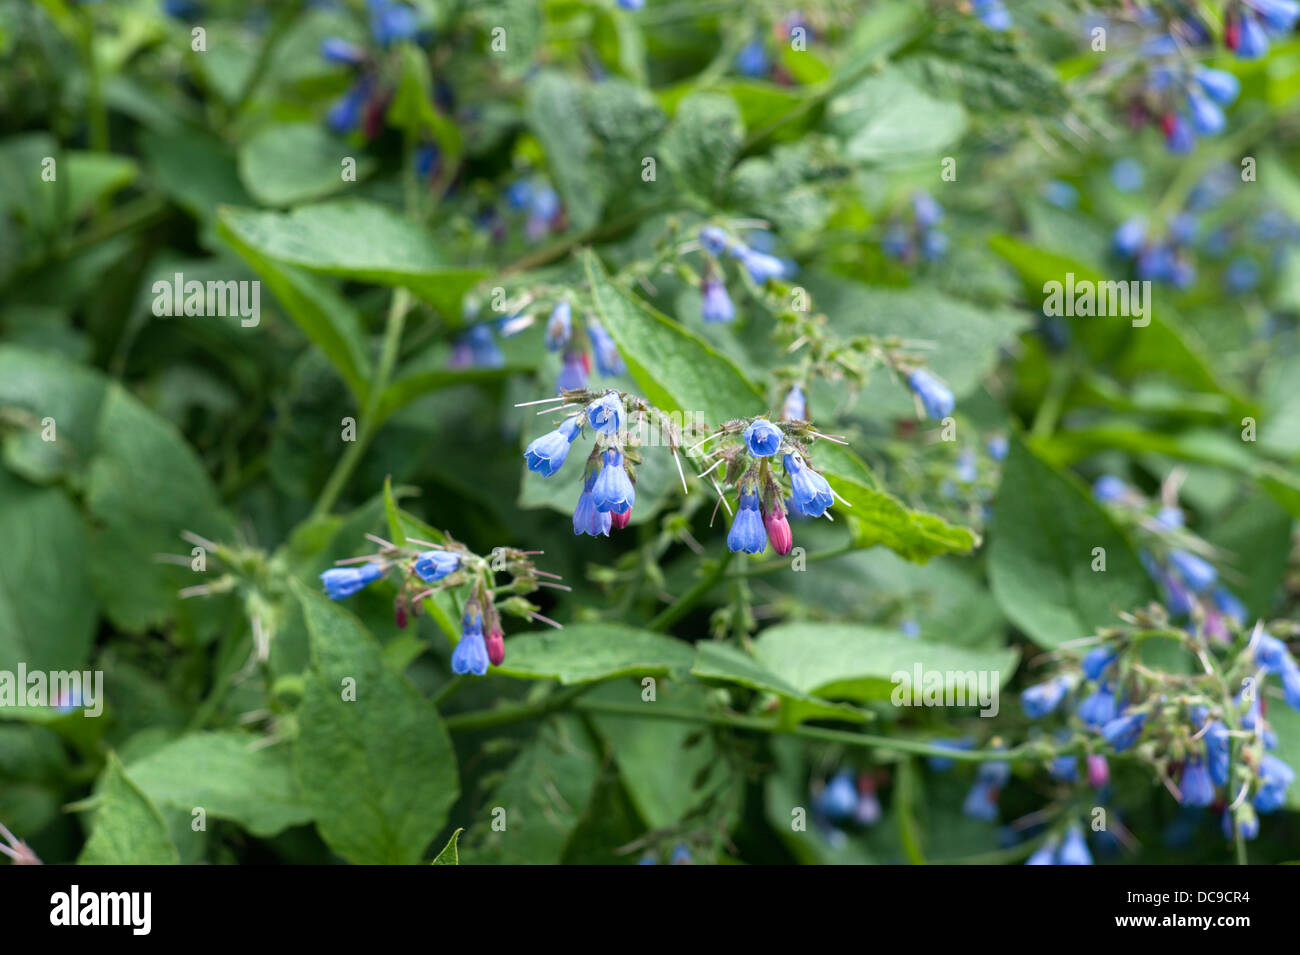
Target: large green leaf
1041, 555
356, 239
285, 164
858, 662
226, 776
702, 141
47, 610
127, 829
528, 818
887, 119
588, 652
554, 111
377, 772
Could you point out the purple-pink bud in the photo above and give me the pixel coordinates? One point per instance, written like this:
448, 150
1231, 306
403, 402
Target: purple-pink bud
778, 529
496, 646
1098, 771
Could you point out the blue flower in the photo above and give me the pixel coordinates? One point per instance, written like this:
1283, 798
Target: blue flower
810, 493
763, 438
935, 396
1218, 747
1242, 274
1198, 573
1291, 683
1279, 15
573, 372
632, 4
1098, 709
433, 565
1197, 789
519, 194
1271, 653
998, 447
1097, 660
714, 239
716, 306
343, 582
470, 655
934, 245
483, 348
586, 518
1109, 489
747, 534
1220, 85
345, 114
1123, 731
927, 211
1127, 175
1061, 194
1246, 822
559, 327
1207, 117
1274, 778
981, 802
606, 413
1043, 698
546, 454
1064, 768
681, 855
1044, 854
760, 265
613, 490
840, 797
795, 406
391, 22
752, 60
1178, 135
1129, 237
608, 361
1074, 849
338, 50
992, 14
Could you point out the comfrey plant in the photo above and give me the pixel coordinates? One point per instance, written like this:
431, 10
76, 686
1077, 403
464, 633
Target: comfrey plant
366, 101
421, 569
745, 463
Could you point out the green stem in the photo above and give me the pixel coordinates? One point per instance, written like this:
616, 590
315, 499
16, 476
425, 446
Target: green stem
784, 564
370, 418
674, 611
505, 715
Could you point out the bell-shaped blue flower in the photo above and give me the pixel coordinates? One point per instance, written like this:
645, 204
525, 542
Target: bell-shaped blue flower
1097, 660
559, 327
1128, 237
1271, 653
586, 518
433, 565
1207, 117
935, 396
606, 413
714, 239
608, 360
981, 802
573, 372
338, 50
762, 438
760, 265
795, 406
345, 114
470, 655
546, 454
1275, 777
1198, 573
1278, 15
747, 533
1220, 85
1123, 731
1197, 788
1074, 849
839, 799
1291, 683
1043, 698
613, 490
1099, 708
391, 21
1044, 854
1109, 489
928, 212
343, 582
1218, 749
810, 493
716, 306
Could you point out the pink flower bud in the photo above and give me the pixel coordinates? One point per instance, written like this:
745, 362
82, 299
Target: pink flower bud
778, 530
619, 521
399, 612
1098, 771
496, 646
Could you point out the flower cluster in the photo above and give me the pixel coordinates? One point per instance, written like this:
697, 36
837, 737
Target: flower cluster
906, 237
1185, 99
578, 344
846, 799
759, 265
422, 568
365, 103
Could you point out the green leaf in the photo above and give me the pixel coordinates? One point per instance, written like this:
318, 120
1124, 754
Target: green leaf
226, 776
888, 120
720, 663
356, 239
450, 854
427, 374
396, 531
1045, 529
128, 829
703, 141
553, 108
377, 772
545, 791
47, 611
412, 108
288, 163
857, 662
589, 652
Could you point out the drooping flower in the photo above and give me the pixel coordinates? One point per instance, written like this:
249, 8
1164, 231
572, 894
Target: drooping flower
1129, 237
993, 14
681, 855
1098, 770
1271, 653
935, 396
338, 50
714, 239
998, 447
559, 327
795, 406
760, 265
345, 114
1064, 768
1099, 708
586, 518
1291, 683
574, 372
1044, 854
752, 60
1074, 849
1218, 747
1123, 731
981, 801
1220, 85
608, 360
778, 529
1198, 573
1097, 660
1274, 778
1197, 789
432, 566
391, 22
343, 582
606, 413
747, 534
717, 307
1043, 698
470, 655
762, 438
546, 454
613, 490
495, 641
839, 798
810, 493
1109, 489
